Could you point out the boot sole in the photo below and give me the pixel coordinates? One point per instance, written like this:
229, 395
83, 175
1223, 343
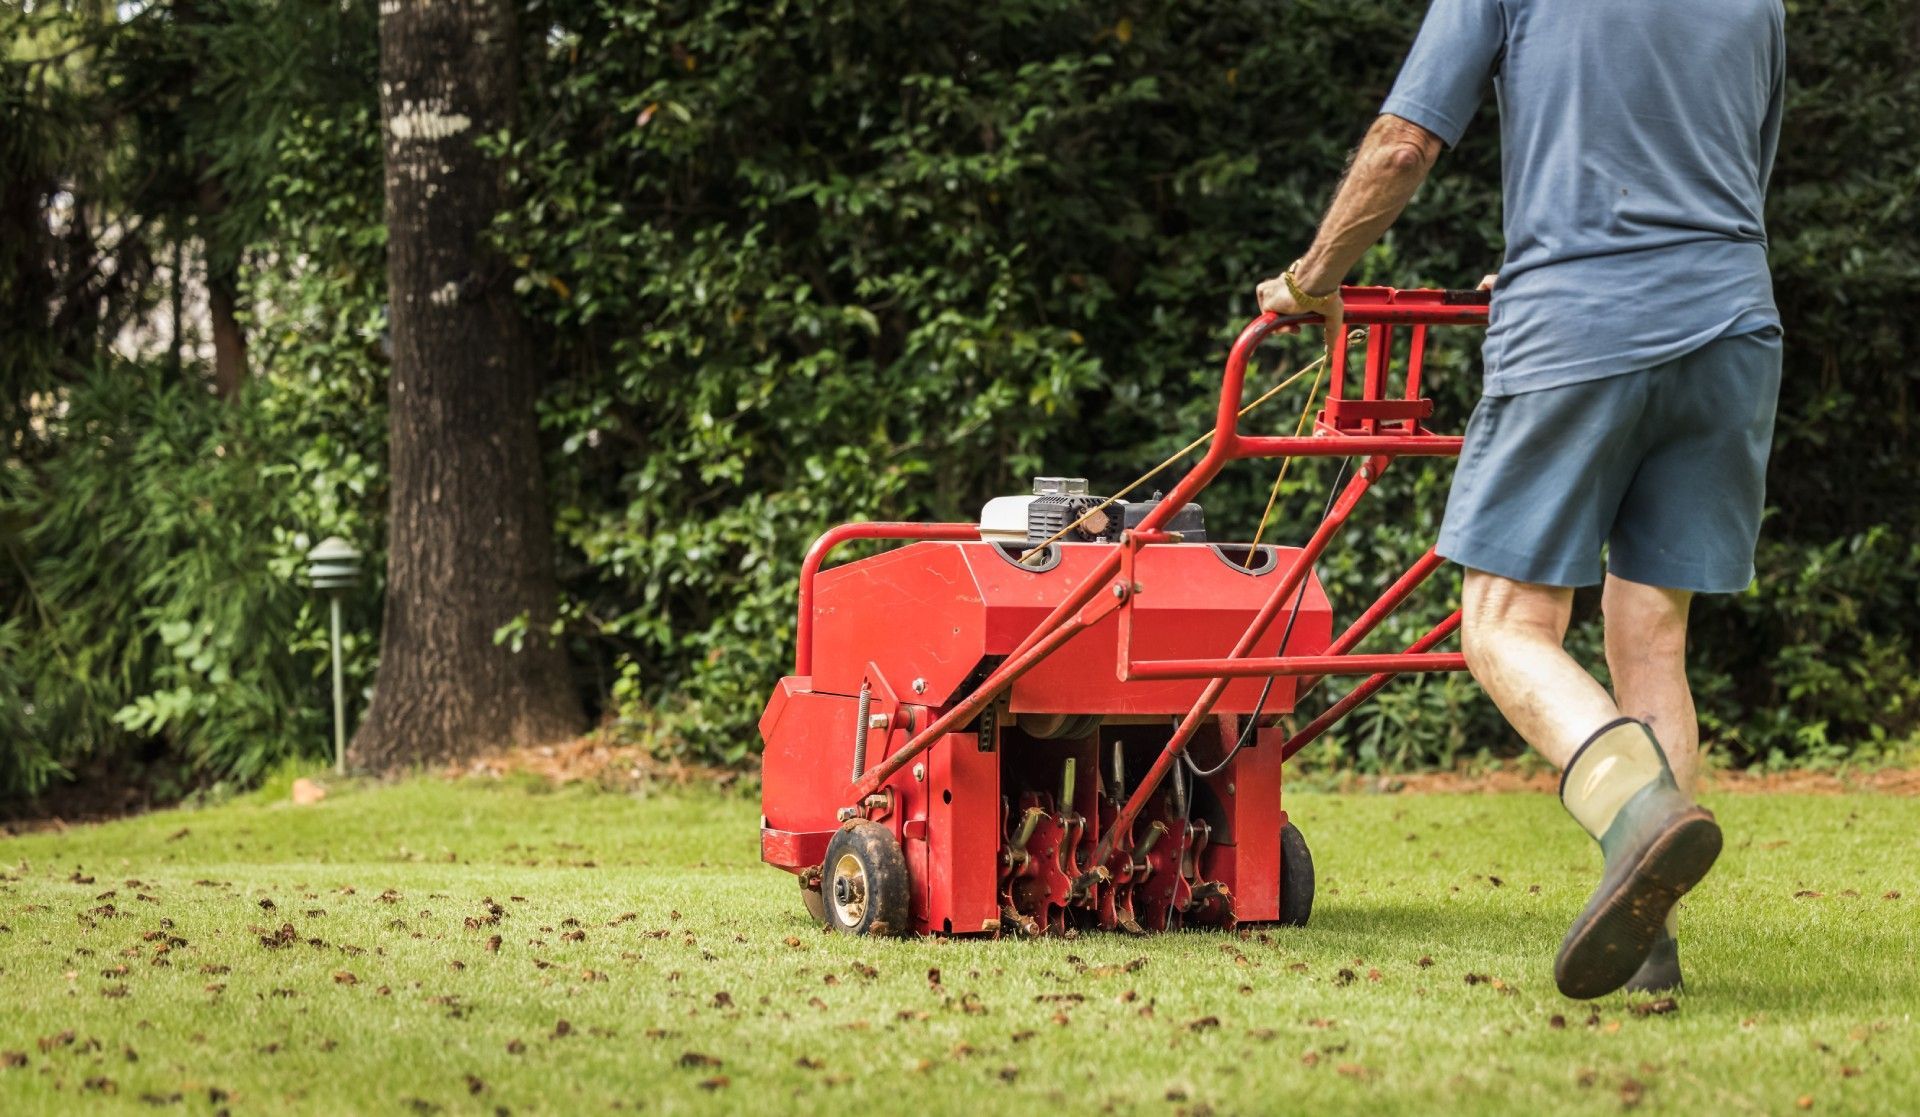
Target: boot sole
1611, 940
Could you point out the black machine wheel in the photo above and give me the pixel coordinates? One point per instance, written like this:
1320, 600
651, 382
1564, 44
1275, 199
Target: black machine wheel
816, 903
863, 883
1296, 878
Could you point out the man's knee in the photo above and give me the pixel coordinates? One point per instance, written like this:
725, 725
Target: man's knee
1498, 614
1644, 622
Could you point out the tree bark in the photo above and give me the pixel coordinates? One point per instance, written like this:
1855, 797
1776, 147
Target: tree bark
229, 340
469, 535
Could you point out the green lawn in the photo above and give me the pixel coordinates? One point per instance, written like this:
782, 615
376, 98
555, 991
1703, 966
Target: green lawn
645, 961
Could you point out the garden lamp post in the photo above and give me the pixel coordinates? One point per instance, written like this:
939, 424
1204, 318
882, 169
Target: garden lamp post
334, 566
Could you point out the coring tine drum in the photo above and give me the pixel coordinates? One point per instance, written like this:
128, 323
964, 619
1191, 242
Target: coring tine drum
981, 724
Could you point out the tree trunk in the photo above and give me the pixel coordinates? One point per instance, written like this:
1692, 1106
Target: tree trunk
229, 340
470, 544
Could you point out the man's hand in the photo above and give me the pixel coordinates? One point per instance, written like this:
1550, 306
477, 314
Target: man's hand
1487, 282
1276, 299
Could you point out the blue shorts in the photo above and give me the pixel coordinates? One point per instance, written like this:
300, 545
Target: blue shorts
1665, 467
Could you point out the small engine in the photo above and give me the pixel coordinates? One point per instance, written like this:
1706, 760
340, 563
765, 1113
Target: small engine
1062, 504
1059, 509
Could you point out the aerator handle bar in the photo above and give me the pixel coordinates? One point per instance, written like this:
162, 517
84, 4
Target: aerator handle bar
1369, 423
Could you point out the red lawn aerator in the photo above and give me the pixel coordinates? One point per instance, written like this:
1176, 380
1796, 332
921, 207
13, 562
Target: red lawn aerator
1024, 746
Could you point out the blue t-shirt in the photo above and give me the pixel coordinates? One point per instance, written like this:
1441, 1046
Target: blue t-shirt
1636, 139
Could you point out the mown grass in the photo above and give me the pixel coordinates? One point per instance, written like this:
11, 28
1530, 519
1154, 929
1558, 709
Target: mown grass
646, 962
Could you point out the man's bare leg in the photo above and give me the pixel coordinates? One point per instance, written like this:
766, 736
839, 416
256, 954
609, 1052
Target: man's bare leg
1646, 631
1647, 654
1514, 636
1617, 781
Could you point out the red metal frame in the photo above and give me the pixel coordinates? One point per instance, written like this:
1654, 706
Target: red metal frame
1373, 424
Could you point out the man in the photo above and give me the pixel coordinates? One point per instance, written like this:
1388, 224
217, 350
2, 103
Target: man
1632, 366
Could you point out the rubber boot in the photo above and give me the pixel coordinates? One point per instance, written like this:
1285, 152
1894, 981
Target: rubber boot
1657, 843
1660, 973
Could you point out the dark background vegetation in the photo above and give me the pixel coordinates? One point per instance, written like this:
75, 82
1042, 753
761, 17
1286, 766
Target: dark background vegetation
791, 263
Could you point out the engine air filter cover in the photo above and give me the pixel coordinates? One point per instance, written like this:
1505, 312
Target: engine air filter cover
1050, 514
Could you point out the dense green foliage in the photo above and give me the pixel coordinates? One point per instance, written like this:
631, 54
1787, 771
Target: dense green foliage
809, 261
151, 534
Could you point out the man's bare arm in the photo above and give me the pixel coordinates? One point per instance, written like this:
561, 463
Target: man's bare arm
1390, 164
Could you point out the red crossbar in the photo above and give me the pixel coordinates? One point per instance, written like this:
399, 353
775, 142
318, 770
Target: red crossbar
1293, 665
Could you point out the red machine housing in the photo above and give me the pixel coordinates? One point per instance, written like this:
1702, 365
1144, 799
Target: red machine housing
914, 625
993, 715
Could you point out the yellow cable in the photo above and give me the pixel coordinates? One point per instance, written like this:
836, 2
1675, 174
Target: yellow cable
1253, 551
